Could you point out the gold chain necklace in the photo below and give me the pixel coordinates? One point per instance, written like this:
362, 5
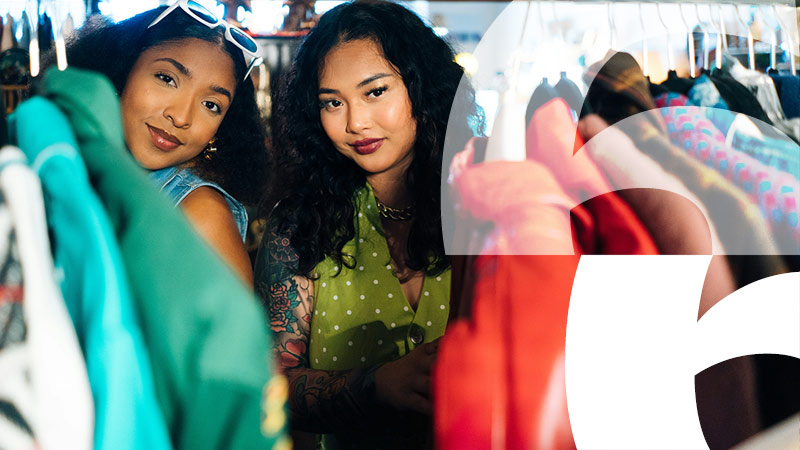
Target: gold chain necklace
399, 215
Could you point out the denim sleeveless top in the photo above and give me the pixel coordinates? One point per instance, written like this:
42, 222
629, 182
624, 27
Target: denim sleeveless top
177, 183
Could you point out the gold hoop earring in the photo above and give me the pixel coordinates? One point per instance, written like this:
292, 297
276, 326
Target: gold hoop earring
210, 149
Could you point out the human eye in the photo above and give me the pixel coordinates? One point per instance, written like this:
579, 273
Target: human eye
213, 107
329, 104
377, 92
165, 78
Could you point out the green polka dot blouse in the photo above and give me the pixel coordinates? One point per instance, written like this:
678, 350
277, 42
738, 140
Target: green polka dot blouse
361, 317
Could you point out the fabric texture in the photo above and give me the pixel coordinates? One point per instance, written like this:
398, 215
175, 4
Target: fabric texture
552, 139
95, 285
60, 405
16, 390
205, 331
788, 87
178, 182
480, 353
361, 318
777, 193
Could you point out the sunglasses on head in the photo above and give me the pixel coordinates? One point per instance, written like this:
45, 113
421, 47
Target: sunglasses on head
234, 35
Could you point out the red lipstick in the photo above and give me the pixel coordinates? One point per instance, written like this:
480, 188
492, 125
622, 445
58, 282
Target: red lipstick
163, 140
367, 146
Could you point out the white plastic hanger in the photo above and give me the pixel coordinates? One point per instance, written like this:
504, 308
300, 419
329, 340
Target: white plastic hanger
645, 55
787, 37
718, 32
751, 59
690, 41
706, 49
670, 56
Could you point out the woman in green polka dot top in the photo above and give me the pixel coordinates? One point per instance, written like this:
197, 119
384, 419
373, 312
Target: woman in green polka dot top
352, 267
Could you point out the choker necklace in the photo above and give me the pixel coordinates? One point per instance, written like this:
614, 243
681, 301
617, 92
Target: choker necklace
399, 215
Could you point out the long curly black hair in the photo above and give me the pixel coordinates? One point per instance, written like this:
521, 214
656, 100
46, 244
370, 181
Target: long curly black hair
316, 187
240, 165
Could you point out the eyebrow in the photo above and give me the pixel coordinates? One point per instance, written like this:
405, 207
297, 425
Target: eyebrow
182, 69
361, 84
222, 91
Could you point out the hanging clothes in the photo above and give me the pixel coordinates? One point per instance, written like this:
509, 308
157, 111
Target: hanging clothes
95, 286
551, 139
205, 331
60, 405
8, 40
620, 90
570, 92
45, 33
480, 353
16, 391
777, 193
674, 216
25, 23
763, 89
788, 87
737, 97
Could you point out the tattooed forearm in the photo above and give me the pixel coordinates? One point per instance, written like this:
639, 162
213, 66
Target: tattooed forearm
321, 401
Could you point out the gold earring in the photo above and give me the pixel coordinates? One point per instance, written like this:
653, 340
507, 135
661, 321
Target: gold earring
210, 149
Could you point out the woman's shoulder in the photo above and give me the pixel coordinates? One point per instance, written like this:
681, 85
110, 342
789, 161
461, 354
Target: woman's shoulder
183, 185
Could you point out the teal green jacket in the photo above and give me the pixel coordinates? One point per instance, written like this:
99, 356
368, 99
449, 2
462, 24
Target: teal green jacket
94, 286
205, 331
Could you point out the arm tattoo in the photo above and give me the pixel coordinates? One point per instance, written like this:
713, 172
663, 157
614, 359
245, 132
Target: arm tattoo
319, 401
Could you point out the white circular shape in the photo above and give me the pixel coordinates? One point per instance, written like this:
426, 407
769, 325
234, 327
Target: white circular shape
374, 253
393, 325
349, 312
429, 323
362, 297
336, 297
347, 282
350, 343
438, 278
380, 341
441, 307
360, 267
363, 359
377, 311
336, 327
389, 295
405, 308
374, 281
324, 349
335, 358
364, 327
426, 293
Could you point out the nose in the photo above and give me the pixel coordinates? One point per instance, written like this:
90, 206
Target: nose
358, 118
179, 112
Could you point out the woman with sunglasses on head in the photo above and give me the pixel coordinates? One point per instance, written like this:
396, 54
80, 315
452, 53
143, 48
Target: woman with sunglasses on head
189, 112
352, 266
